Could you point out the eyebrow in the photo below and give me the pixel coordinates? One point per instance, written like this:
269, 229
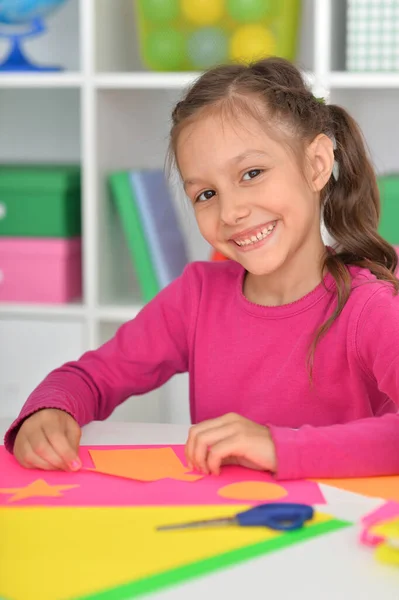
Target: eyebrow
235, 160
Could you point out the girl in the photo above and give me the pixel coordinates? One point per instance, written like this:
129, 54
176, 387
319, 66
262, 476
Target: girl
291, 346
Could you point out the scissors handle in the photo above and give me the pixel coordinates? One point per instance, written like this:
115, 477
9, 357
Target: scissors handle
280, 516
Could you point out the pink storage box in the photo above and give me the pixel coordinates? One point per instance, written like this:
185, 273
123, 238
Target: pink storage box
47, 270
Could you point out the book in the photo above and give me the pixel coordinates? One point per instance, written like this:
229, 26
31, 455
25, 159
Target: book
160, 224
149, 221
136, 241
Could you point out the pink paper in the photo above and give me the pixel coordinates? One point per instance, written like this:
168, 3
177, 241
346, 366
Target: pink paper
97, 489
387, 511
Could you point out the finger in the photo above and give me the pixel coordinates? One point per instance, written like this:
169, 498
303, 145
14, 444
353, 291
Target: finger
199, 428
194, 431
63, 448
43, 448
31, 460
226, 448
74, 434
204, 442
189, 445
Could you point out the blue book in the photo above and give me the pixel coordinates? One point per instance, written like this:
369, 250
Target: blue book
159, 221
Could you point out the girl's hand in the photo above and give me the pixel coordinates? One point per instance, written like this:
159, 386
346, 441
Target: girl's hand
48, 439
230, 439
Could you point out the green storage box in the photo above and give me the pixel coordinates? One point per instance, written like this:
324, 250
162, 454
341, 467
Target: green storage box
40, 200
389, 194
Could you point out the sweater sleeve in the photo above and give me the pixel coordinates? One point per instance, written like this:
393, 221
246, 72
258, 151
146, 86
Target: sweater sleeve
144, 353
365, 447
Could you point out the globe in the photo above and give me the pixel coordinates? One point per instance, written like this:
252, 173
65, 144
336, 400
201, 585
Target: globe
29, 13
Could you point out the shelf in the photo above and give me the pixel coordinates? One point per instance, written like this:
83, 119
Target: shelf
111, 313
43, 310
145, 80
40, 80
345, 79
110, 81
156, 80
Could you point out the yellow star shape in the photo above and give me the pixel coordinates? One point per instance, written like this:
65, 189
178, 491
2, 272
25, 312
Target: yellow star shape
36, 489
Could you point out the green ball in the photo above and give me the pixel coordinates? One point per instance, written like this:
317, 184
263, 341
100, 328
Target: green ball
159, 11
207, 47
165, 50
247, 11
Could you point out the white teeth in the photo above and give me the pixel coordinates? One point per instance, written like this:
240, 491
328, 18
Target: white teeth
256, 238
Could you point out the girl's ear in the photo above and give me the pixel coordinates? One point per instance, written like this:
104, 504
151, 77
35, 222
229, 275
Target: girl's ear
320, 158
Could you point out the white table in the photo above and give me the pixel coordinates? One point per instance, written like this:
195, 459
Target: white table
332, 567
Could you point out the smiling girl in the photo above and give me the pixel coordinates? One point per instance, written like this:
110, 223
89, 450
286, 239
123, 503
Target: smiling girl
291, 346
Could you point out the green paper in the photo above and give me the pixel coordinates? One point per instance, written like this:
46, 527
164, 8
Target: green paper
172, 577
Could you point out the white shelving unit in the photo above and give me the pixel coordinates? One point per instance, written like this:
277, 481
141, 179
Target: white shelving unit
107, 112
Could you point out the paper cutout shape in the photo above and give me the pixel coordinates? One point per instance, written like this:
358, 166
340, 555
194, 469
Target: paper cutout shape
97, 489
148, 464
388, 551
120, 547
388, 529
37, 489
252, 490
383, 513
376, 487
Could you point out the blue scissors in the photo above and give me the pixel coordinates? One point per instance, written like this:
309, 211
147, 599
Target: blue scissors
280, 516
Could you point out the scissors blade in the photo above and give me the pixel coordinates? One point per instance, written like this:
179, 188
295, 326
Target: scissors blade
199, 524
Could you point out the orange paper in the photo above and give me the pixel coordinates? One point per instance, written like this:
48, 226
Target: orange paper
36, 489
376, 487
252, 490
148, 464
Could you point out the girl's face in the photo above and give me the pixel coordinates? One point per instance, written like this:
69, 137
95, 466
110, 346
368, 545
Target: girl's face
251, 200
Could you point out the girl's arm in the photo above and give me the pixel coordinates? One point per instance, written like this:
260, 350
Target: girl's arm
365, 447
144, 353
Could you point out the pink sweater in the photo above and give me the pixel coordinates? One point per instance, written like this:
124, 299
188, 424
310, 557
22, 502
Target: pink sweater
251, 360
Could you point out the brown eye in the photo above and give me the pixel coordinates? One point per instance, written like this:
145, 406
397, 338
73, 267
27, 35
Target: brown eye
207, 195
252, 174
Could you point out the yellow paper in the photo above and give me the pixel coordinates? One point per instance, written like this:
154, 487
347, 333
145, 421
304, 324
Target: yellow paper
65, 552
388, 551
387, 529
387, 554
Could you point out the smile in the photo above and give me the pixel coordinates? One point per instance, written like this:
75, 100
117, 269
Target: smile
257, 236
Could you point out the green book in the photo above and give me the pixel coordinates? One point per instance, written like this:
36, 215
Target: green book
137, 243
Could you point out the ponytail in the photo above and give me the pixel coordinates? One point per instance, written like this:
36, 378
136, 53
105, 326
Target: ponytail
351, 212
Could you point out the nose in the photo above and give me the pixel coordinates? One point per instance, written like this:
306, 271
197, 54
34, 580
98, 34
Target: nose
233, 208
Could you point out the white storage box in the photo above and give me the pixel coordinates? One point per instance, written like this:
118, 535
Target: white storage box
372, 35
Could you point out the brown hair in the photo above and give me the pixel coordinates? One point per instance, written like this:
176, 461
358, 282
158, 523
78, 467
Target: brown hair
350, 205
